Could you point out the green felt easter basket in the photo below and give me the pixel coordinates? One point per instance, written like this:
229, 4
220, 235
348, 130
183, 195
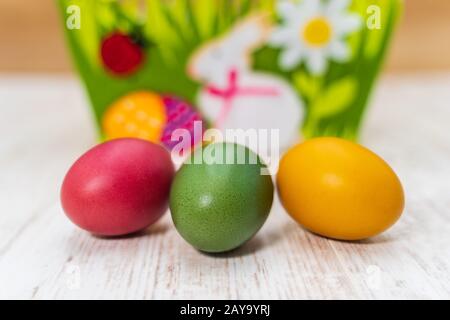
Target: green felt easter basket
151, 66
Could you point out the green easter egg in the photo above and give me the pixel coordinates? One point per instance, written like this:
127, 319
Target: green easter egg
220, 198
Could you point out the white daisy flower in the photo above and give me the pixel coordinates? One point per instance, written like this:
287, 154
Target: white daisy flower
314, 31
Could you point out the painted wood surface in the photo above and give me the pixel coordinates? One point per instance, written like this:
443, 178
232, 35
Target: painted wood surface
45, 125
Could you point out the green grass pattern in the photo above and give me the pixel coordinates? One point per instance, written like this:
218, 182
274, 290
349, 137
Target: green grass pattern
335, 103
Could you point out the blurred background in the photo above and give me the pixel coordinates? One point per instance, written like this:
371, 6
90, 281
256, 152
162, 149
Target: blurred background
31, 38
45, 124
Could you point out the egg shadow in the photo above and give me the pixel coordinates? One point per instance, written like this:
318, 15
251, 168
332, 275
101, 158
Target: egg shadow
380, 239
250, 247
256, 243
154, 230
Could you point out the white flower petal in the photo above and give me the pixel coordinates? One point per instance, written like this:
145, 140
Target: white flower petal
296, 15
311, 8
291, 57
282, 36
313, 5
339, 51
317, 62
337, 5
287, 10
346, 24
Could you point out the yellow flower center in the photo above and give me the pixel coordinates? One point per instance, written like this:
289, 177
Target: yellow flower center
317, 32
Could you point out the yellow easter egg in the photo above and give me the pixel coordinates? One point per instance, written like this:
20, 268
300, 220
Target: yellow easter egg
339, 189
137, 115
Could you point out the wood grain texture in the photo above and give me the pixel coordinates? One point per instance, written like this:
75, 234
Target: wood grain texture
45, 125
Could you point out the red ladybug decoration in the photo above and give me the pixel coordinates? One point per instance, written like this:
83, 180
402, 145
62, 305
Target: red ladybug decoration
121, 55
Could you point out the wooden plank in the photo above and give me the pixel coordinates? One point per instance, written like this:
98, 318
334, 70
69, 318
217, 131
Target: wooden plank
45, 125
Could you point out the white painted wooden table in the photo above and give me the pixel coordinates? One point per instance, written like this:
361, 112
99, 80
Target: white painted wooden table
45, 125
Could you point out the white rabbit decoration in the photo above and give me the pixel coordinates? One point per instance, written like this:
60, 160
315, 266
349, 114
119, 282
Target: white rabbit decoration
236, 97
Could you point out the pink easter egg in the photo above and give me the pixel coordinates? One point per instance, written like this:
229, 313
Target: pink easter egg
118, 187
181, 115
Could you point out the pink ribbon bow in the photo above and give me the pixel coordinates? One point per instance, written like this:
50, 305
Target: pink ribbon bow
232, 91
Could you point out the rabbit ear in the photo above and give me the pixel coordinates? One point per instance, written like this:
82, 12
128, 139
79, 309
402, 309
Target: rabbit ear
234, 47
249, 34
